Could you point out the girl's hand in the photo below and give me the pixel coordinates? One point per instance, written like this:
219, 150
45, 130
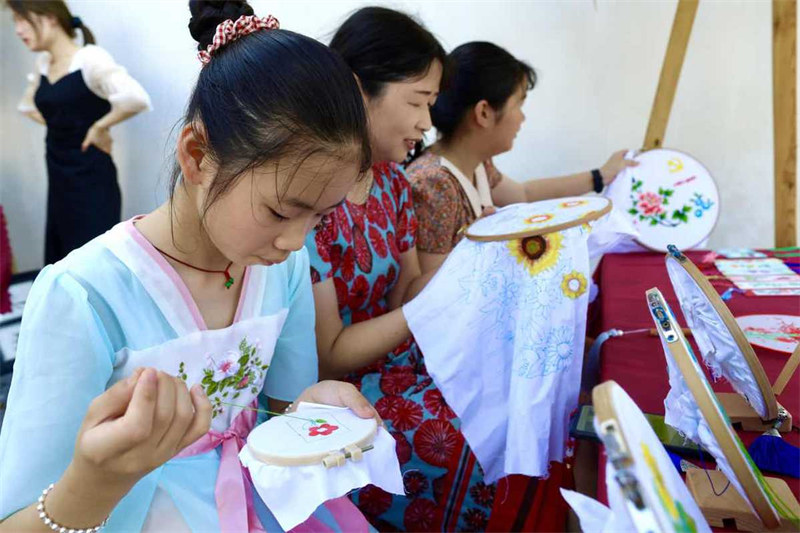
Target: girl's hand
98, 136
137, 425
340, 394
616, 164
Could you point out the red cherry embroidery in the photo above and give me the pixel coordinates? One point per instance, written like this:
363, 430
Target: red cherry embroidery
321, 430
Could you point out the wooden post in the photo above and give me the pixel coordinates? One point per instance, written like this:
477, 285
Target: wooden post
670, 72
784, 112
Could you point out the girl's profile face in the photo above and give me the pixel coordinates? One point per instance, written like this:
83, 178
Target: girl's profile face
34, 33
268, 212
401, 114
509, 121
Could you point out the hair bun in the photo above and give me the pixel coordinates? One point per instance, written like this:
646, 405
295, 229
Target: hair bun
207, 14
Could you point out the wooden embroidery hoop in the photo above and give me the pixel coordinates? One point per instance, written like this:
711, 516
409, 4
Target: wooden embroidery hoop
541, 230
658, 247
618, 452
737, 408
329, 458
730, 504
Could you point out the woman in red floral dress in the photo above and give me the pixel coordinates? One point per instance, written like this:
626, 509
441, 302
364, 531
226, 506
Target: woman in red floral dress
364, 266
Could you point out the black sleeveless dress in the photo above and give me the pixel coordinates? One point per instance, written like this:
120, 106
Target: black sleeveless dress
83, 197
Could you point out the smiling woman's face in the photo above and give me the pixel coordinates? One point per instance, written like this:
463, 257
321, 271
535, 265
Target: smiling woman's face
400, 114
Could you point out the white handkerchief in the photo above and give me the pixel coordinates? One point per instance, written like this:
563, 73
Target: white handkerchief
293, 493
594, 517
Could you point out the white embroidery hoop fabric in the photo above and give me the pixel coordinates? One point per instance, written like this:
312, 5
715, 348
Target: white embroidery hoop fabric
683, 412
536, 218
504, 343
692, 187
720, 351
610, 233
636, 434
293, 493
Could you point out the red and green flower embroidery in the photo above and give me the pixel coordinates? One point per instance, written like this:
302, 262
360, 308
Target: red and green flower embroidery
650, 207
230, 374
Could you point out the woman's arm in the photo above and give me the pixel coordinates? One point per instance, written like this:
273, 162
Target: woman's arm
509, 191
26, 104
99, 134
411, 281
342, 350
110, 81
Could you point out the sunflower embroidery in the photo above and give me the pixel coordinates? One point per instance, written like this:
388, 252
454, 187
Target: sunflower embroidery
572, 203
539, 219
573, 284
537, 253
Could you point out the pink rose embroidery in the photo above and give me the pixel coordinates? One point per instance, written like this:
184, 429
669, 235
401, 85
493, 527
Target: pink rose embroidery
649, 203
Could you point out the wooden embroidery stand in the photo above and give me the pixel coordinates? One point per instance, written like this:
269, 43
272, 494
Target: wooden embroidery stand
729, 510
738, 410
729, 505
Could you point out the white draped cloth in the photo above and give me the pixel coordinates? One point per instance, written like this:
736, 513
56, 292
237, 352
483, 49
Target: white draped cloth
502, 327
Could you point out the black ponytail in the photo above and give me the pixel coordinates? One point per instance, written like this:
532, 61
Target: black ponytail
481, 71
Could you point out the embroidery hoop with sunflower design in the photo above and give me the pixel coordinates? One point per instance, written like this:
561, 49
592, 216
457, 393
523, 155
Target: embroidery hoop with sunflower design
524, 221
315, 435
642, 469
753, 501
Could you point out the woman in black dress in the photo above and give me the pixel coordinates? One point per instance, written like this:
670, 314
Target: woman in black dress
78, 92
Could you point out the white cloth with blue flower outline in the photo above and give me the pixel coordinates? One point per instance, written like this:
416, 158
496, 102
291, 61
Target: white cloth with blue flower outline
503, 339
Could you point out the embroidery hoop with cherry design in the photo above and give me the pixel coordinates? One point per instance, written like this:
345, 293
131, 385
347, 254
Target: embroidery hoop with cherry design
312, 436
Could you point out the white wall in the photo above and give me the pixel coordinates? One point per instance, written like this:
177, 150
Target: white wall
598, 63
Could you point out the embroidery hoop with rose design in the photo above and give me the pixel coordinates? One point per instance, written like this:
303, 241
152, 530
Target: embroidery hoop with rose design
316, 435
641, 471
670, 198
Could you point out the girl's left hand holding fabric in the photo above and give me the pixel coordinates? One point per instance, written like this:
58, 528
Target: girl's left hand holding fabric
340, 394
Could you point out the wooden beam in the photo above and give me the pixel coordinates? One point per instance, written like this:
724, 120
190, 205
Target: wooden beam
784, 112
670, 72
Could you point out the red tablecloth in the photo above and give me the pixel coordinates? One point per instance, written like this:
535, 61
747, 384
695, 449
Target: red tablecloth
636, 362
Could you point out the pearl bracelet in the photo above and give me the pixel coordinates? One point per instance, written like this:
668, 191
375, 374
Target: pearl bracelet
49, 522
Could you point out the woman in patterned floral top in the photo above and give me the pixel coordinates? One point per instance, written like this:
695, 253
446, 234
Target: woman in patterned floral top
364, 266
478, 117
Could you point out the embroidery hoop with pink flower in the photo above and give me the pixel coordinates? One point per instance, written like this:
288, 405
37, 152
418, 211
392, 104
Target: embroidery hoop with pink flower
670, 198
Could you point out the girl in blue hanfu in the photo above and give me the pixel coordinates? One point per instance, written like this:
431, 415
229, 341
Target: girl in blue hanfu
138, 350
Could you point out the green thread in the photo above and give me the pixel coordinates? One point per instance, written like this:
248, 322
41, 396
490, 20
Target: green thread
273, 413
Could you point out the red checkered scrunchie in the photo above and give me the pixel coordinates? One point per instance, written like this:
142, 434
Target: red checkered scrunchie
228, 31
